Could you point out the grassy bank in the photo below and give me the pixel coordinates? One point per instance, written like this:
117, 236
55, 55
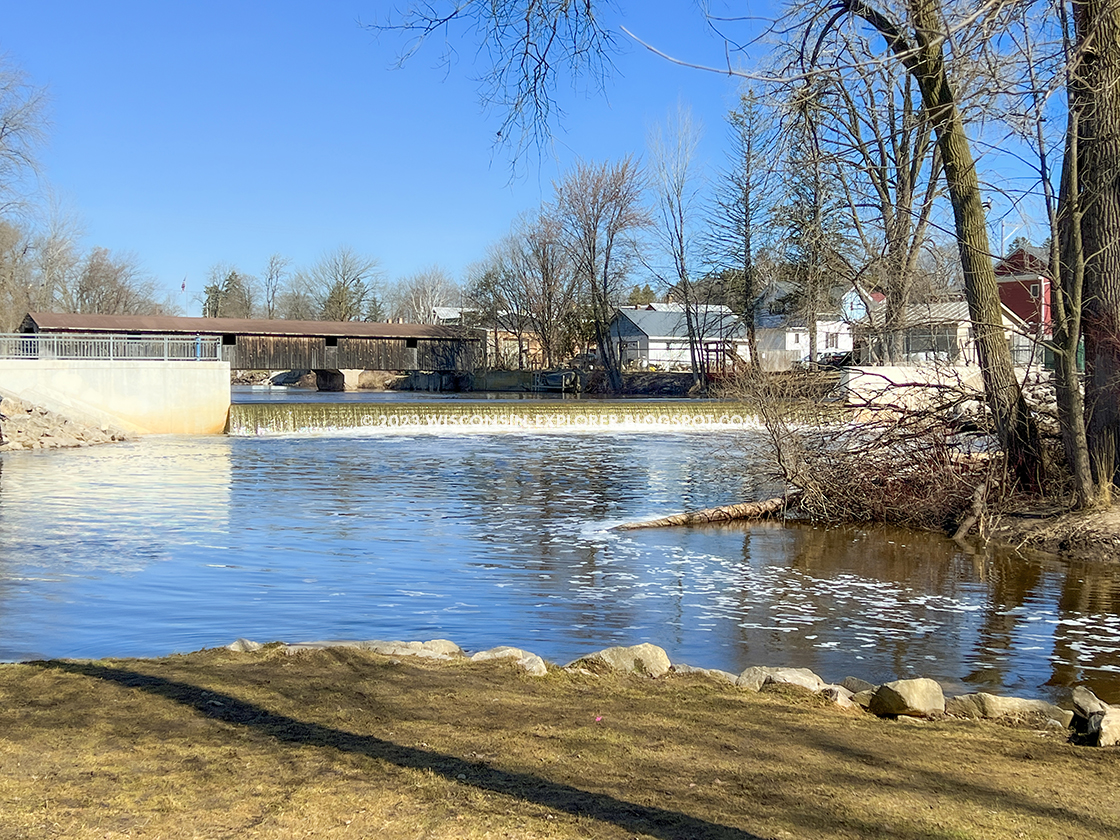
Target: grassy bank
344, 743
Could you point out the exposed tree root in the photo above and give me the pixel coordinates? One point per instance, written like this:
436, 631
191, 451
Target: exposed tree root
726, 513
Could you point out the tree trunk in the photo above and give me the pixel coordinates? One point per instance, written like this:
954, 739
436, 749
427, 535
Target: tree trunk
1095, 96
726, 513
1068, 256
924, 59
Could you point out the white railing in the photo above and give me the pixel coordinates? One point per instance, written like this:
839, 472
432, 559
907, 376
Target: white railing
202, 348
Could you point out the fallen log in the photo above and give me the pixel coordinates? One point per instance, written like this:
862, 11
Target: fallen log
725, 513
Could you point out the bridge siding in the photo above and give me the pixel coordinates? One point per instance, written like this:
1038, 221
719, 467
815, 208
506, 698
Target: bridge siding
256, 352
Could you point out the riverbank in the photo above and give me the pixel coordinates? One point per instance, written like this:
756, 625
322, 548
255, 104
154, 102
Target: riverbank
349, 743
26, 426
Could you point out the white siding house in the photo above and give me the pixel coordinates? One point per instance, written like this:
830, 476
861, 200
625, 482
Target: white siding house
657, 336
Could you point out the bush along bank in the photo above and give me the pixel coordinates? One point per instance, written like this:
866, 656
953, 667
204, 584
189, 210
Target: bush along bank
1091, 721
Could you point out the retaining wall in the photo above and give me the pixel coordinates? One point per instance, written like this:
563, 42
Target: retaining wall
140, 397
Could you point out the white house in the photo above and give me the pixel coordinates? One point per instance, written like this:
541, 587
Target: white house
657, 335
940, 333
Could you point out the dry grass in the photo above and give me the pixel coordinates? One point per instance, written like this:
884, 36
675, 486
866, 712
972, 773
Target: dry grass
347, 744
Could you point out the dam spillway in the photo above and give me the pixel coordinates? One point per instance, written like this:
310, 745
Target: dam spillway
267, 418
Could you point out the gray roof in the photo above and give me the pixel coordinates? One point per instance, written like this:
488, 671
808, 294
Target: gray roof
942, 312
718, 324
168, 325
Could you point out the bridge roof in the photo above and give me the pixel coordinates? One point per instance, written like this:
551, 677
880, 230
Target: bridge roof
53, 322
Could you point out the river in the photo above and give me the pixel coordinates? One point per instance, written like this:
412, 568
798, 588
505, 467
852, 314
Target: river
491, 536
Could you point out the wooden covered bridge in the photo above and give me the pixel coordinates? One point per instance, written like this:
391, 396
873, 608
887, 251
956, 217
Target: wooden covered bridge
250, 344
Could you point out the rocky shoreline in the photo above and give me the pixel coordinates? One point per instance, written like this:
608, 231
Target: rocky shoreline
1091, 721
27, 426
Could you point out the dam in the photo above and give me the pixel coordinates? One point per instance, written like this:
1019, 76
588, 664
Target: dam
410, 416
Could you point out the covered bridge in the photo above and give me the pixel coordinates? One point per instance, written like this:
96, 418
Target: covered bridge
250, 344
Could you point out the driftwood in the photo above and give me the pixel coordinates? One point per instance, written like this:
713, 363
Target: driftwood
726, 513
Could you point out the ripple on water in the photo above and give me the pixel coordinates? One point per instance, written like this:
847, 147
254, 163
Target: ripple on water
172, 544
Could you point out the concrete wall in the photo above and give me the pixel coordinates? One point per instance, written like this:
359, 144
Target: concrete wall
141, 397
908, 387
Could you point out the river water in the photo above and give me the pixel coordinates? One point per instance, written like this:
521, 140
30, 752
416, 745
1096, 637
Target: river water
491, 536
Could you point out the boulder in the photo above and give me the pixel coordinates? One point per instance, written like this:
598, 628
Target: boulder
434, 649
1086, 703
863, 698
244, 646
644, 659
1109, 731
913, 698
528, 662
758, 676
839, 695
992, 706
711, 673
856, 685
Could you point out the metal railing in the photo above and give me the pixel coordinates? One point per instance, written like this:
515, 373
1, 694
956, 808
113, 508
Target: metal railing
202, 348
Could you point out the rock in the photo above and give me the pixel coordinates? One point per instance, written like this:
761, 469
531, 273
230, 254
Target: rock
913, 698
758, 676
712, 673
529, 662
863, 698
434, 649
1109, 728
644, 659
992, 706
1086, 703
856, 685
839, 695
244, 646
964, 706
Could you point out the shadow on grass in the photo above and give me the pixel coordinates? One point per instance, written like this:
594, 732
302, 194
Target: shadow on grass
658, 822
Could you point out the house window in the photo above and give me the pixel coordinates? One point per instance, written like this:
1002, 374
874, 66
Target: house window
832, 340
797, 338
1034, 290
332, 341
410, 343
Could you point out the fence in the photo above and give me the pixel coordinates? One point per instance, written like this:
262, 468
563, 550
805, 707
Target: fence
110, 347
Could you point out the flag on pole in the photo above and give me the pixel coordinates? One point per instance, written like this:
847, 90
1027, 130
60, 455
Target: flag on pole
184, 284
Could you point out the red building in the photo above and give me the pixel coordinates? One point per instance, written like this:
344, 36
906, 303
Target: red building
1024, 285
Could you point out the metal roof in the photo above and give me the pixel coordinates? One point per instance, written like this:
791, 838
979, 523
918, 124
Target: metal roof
673, 325
170, 325
941, 312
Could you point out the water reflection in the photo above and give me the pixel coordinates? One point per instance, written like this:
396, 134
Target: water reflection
174, 544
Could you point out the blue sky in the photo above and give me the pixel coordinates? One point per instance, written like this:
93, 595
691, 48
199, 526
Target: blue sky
196, 133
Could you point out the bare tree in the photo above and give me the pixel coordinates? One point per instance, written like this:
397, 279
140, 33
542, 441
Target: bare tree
414, 298
296, 299
673, 179
496, 299
741, 208
22, 130
810, 213
918, 40
16, 268
888, 167
272, 283
113, 284
344, 286
550, 303
599, 209
530, 42
57, 258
